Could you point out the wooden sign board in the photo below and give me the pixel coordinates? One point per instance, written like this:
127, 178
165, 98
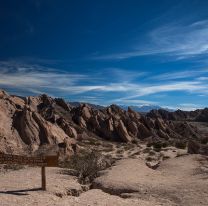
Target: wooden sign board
46, 161
42, 161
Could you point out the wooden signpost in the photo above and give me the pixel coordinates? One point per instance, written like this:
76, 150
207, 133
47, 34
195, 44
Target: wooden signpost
42, 161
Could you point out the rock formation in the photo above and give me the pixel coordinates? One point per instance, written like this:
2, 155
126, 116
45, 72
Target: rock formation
29, 123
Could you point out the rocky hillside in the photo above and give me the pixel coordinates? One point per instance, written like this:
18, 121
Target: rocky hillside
32, 123
199, 115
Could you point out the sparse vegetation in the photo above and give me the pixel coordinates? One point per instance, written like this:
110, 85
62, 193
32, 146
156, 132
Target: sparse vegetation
119, 151
147, 150
13, 167
180, 144
86, 165
152, 153
129, 146
157, 146
149, 159
149, 144
204, 140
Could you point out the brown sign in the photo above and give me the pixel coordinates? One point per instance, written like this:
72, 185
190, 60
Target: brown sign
47, 161
43, 161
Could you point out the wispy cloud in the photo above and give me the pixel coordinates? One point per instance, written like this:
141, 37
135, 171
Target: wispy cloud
173, 39
134, 102
202, 78
184, 86
35, 78
98, 88
181, 74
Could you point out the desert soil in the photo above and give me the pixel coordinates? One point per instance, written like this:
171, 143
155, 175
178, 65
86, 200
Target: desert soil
178, 181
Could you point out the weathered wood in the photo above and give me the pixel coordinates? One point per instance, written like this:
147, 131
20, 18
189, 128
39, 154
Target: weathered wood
43, 161
43, 178
47, 161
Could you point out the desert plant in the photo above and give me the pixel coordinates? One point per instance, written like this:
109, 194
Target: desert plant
180, 144
204, 140
87, 164
157, 146
13, 167
152, 153
149, 144
193, 147
165, 144
147, 150
149, 159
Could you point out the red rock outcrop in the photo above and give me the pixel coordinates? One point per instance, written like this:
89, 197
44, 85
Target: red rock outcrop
29, 123
23, 127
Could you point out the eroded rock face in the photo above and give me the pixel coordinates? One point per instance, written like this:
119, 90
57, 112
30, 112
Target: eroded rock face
69, 130
28, 123
199, 115
122, 131
62, 104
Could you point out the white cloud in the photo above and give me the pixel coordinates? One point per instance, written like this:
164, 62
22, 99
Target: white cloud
39, 79
179, 40
36, 79
202, 78
134, 102
186, 86
180, 74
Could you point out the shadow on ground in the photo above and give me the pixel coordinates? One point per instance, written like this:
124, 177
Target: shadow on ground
20, 192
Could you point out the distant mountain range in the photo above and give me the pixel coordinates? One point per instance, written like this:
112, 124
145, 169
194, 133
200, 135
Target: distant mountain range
77, 104
142, 109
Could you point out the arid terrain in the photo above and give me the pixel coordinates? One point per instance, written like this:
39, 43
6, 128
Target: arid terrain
158, 158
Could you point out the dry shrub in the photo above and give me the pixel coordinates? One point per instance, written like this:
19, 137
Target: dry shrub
193, 147
157, 146
180, 144
13, 167
204, 140
87, 164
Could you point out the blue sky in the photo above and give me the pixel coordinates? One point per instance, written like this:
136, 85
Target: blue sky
130, 52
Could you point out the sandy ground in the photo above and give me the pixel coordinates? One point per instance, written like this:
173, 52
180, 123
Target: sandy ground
178, 181
22, 187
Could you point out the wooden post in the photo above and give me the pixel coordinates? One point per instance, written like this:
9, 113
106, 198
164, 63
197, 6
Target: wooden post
43, 162
43, 177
